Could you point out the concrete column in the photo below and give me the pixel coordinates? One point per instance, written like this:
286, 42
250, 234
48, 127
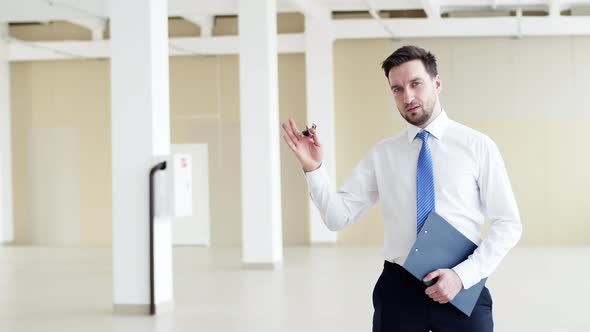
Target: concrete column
6, 212
140, 133
259, 124
319, 70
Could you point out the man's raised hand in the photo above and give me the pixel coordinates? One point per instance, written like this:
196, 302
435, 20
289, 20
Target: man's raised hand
307, 149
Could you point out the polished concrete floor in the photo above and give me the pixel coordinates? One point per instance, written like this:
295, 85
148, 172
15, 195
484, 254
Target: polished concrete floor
314, 289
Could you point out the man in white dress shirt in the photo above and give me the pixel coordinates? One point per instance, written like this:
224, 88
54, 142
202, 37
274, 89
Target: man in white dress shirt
468, 183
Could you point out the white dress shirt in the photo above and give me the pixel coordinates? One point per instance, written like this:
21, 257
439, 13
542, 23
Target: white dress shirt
470, 182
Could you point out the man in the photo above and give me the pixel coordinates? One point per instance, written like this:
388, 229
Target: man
435, 164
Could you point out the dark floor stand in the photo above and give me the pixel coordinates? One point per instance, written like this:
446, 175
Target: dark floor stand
158, 167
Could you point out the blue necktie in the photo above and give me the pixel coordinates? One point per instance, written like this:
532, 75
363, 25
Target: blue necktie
424, 182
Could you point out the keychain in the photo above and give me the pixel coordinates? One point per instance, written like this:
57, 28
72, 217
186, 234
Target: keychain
306, 132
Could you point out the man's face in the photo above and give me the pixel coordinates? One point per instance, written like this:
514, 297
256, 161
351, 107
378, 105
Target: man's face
415, 92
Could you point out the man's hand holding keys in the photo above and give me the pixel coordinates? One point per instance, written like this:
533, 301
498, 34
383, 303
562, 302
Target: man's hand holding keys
307, 148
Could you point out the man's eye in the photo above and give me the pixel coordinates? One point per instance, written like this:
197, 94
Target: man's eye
396, 90
415, 84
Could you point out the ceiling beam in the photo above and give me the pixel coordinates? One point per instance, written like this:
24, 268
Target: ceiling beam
431, 8
205, 22
75, 8
35, 51
311, 8
59, 10
26, 11
57, 50
344, 6
491, 3
555, 7
374, 12
519, 23
183, 8
494, 4
95, 25
463, 27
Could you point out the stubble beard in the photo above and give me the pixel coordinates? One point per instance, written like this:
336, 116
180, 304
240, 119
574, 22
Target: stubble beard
420, 119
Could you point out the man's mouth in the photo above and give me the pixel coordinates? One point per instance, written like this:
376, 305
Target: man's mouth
413, 109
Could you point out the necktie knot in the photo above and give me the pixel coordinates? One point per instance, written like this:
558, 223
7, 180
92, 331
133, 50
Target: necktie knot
423, 135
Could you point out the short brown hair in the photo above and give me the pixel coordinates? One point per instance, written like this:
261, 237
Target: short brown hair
409, 53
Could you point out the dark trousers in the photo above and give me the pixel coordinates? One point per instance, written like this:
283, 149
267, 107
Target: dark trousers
402, 306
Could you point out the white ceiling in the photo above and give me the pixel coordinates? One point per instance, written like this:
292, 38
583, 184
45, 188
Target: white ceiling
53, 10
93, 15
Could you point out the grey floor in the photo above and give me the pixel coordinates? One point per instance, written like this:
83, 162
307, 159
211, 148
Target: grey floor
314, 289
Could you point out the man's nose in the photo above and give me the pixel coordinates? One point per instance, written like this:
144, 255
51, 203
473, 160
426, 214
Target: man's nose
408, 96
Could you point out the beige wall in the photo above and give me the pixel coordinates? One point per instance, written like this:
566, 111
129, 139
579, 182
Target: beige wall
65, 94
526, 94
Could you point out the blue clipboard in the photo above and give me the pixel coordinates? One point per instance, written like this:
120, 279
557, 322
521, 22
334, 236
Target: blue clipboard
439, 245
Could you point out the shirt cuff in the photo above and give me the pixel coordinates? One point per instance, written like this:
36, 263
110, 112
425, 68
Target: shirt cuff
466, 272
316, 178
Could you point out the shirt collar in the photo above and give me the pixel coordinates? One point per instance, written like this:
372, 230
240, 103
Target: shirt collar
436, 128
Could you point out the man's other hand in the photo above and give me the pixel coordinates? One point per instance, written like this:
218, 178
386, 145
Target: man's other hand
446, 287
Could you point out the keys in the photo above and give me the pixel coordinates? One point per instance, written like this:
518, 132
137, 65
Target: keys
306, 132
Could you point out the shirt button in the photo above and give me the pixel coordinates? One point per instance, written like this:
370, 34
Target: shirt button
416, 249
425, 232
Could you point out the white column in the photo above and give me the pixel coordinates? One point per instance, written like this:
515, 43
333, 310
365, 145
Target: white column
259, 124
6, 213
140, 133
319, 71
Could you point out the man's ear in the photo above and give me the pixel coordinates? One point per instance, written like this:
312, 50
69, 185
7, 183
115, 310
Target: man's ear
437, 83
